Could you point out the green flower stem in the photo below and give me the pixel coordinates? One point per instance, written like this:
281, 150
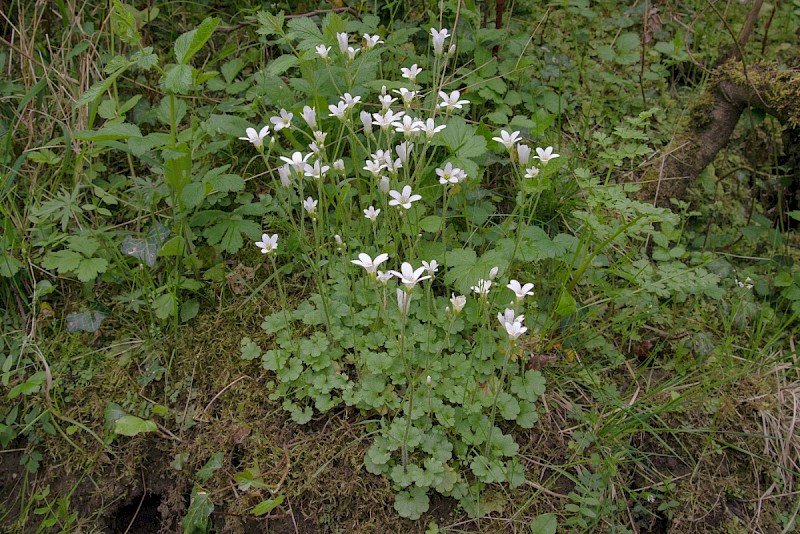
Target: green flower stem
499, 388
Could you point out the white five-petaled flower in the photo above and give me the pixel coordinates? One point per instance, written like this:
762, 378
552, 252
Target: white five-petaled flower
309, 115
323, 51
342, 38
450, 175
310, 206
532, 172
373, 167
368, 263
451, 101
545, 155
371, 40
297, 161
438, 38
411, 73
386, 119
409, 126
747, 284
371, 213
338, 110
256, 137
431, 268
268, 243
404, 198
430, 128
483, 287
409, 276
508, 316
519, 290
386, 101
350, 100
403, 301
316, 171
514, 330
508, 140
458, 302
284, 121
523, 154
405, 94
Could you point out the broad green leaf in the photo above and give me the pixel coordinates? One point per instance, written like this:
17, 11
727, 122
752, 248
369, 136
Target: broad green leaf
412, 503
89, 268
165, 306
265, 507
188, 44
174, 247
213, 463
431, 223
178, 79
544, 524
198, 516
32, 385
281, 64
130, 425
189, 310
9, 265
110, 132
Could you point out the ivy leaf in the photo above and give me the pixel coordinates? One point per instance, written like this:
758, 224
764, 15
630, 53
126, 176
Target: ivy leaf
130, 425
213, 463
198, 516
88, 321
146, 249
412, 503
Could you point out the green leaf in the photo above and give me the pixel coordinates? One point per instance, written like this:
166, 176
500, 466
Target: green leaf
198, 516
269, 24
250, 349
431, 223
281, 64
178, 79
89, 268
32, 385
123, 23
227, 182
188, 44
228, 233
110, 132
544, 524
174, 247
412, 503
265, 507
9, 265
213, 463
566, 304
165, 306
66, 261
146, 248
189, 310
528, 387
130, 425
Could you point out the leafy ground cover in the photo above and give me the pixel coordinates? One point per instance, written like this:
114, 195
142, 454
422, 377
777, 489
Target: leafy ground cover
300, 268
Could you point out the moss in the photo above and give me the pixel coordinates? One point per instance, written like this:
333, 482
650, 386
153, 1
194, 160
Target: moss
780, 87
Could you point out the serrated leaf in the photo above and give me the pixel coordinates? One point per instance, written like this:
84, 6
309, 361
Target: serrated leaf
281, 64
228, 233
269, 24
188, 44
250, 349
130, 425
88, 321
412, 503
226, 183
65, 261
89, 268
178, 79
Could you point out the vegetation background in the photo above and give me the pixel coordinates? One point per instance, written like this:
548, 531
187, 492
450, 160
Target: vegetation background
148, 346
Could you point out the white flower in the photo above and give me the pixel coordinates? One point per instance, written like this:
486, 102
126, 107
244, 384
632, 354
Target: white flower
351, 52
493, 273
284, 121
408, 276
310, 206
438, 38
403, 301
408, 127
385, 120
483, 287
519, 290
257, 138
309, 115
313, 147
404, 149
403, 199
320, 136
514, 330
338, 110
405, 94
371, 213
371, 40
532, 172
411, 73
350, 100
523, 154
368, 263
297, 161
383, 277
386, 101
509, 317
451, 101
283, 173
366, 120
452, 50
747, 284
383, 184
316, 171
430, 128
338, 165
323, 51
458, 302
450, 175
545, 155
431, 268
509, 140
267, 243
343, 39
429, 381
373, 167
